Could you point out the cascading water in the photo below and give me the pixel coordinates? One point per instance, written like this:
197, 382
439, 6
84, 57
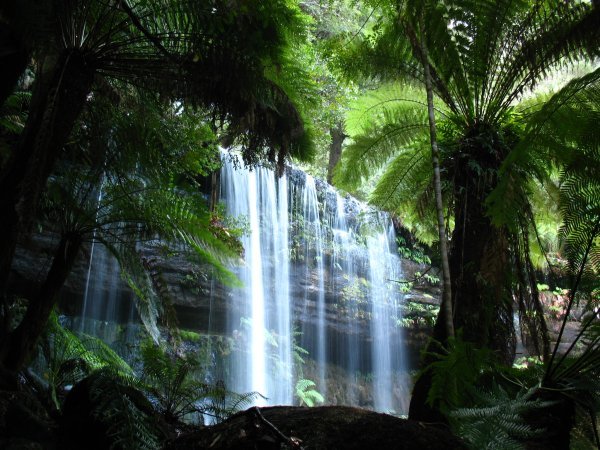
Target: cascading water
325, 266
383, 271
319, 275
309, 207
104, 305
262, 324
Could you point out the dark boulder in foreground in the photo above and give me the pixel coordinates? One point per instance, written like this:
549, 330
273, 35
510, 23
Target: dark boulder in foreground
327, 427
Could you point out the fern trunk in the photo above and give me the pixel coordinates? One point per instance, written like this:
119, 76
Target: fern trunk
556, 421
62, 85
444, 326
439, 206
335, 149
480, 260
19, 345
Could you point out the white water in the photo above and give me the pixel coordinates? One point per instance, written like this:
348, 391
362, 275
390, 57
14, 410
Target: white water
101, 313
310, 264
263, 325
383, 269
105, 307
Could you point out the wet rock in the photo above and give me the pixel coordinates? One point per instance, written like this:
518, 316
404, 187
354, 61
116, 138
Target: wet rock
24, 422
320, 428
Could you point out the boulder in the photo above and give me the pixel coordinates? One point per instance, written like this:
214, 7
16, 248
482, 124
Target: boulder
320, 428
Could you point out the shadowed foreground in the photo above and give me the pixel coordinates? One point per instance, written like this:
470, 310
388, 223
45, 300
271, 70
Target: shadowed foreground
328, 427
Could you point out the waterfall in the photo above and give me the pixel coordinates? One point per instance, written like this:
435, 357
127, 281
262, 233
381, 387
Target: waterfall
262, 325
311, 221
383, 270
104, 305
325, 266
319, 297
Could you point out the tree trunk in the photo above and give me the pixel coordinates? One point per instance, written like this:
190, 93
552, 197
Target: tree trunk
214, 190
61, 88
19, 345
13, 61
439, 206
335, 150
444, 326
480, 258
556, 420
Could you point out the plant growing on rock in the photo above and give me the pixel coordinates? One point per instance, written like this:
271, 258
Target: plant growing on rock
177, 389
307, 393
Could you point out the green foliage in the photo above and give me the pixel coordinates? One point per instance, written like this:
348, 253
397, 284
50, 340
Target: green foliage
12, 121
306, 392
117, 406
175, 385
556, 133
412, 252
330, 20
65, 358
170, 381
380, 123
497, 420
580, 233
416, 314
189, 336
455, 371
389, 129
134, 175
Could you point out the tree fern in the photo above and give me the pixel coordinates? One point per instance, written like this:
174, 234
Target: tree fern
146, 173
455, 371
219, 403
574, 374
12, 112
552, 129
383, 123
307, 393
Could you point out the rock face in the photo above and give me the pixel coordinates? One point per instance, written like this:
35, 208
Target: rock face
198, 299
195, 296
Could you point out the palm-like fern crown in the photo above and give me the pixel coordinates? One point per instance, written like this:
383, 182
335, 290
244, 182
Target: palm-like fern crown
483, 55
486, 54
227, 56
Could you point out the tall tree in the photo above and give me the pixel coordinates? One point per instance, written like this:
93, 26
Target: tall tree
224, 55
129, 174
420, 46
232, 58
482, 57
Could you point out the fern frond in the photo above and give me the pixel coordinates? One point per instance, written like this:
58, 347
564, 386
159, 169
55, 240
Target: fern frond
67, 358
497, 420
116, 407
385, 122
